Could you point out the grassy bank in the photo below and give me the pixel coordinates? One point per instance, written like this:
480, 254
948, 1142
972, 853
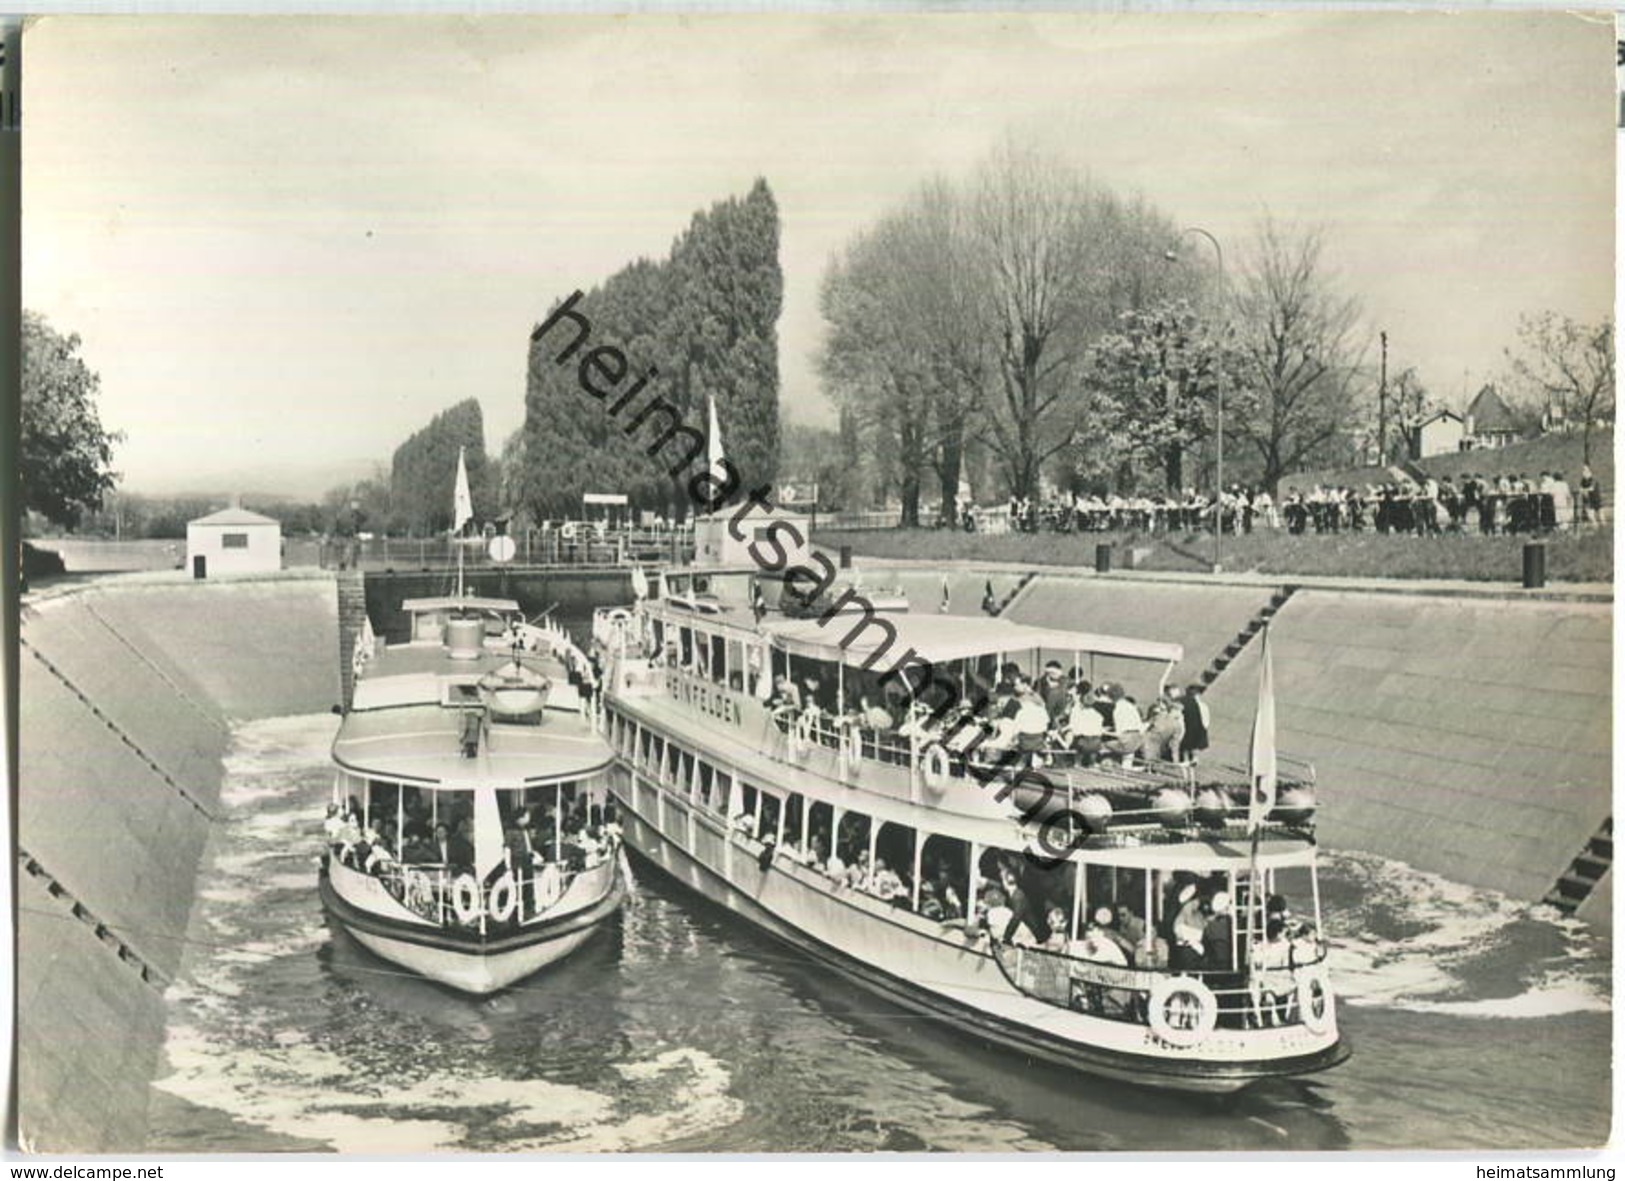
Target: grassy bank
1587, 556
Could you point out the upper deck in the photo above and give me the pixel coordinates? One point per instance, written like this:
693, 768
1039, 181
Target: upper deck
476, 697
970, 716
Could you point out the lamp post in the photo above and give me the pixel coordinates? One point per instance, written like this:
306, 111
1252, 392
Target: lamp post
1218, 455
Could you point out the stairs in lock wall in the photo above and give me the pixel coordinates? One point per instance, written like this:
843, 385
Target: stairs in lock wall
1585, 871
1244, 637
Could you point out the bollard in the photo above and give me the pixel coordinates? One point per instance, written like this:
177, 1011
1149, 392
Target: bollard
1103, 558
1534, 565
846, 557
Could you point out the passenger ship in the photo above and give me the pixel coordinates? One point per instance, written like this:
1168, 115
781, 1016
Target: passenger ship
904, 857
469, 834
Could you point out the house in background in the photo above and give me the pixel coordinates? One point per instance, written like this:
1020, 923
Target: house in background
233, 541
1489, 423
1438, 434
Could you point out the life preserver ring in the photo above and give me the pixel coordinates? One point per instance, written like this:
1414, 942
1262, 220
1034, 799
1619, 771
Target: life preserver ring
419, 891
1182, 1010
619, 617
503, 899
568, 531
1316, 1006
465, 898
935, 767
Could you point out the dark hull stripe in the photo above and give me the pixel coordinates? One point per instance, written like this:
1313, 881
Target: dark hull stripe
470, 943
1190, 1075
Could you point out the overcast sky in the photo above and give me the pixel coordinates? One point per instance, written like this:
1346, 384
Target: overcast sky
288, 242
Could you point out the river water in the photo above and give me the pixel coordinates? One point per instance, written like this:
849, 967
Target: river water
1477, 1022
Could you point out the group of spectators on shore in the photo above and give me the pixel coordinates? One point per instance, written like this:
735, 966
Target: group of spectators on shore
1471, 502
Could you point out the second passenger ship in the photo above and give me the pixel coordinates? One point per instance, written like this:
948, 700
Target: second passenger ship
1108, 912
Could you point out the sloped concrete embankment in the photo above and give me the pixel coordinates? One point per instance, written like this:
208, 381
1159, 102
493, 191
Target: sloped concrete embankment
1468, 737
128, 694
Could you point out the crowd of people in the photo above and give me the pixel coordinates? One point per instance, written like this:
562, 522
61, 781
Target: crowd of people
1060, 719
540, 841
1507, 502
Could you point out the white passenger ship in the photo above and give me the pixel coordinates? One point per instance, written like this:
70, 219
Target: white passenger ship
469, 834
902, 857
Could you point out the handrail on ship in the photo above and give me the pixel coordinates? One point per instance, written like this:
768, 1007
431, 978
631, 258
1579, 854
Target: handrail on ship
1123, 993
428, 889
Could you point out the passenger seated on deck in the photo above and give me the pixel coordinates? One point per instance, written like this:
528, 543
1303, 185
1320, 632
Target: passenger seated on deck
884, 883
1031, 721
1001, 922
333, 826
1165, 728
1085, 730
1185, 950
1270, 981
1059, 937
786, 699
1128, 728
1098, 946
858, 873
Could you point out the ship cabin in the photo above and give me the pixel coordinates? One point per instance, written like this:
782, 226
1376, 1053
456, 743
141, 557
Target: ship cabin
471, 783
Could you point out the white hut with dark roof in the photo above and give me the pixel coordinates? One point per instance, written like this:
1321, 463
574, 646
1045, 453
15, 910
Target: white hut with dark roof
233, 541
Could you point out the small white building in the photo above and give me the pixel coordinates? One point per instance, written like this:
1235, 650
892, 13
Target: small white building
233, 541
716, 545
1439, 434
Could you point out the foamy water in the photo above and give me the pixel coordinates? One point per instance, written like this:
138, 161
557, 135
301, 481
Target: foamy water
680, 1028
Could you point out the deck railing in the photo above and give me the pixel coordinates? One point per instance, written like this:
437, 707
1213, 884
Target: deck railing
1250, 997
454, 897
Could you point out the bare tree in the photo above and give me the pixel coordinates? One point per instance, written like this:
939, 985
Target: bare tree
1299, 341
1568, 368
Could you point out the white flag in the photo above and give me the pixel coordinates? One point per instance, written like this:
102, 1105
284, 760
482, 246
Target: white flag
713, 444
463, 505
1261, 763
640, 583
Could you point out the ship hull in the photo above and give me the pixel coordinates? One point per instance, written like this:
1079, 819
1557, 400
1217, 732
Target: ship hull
468, 962
968, 970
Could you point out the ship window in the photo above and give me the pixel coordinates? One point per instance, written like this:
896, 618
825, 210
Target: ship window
736, 665
707, 782
744, 817
767, 824
944, 876
853, 838
820, 820
685, 773
795, 809
894, 848
719, 659
685, 647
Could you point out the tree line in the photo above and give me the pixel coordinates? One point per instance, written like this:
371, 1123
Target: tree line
703, 321
1028, 327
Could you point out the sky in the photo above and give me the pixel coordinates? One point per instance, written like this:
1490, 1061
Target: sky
287, 243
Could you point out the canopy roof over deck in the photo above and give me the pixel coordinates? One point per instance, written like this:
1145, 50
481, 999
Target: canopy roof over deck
858, 641
459, 603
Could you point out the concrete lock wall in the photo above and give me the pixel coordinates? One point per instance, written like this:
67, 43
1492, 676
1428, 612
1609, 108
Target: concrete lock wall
1471, 738
128, 693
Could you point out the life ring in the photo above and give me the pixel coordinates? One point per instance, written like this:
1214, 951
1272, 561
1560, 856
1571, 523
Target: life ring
465, 898
936, 766
504, 898
568, 531
619, 617
419, 891
1194, 1004
1316, 1006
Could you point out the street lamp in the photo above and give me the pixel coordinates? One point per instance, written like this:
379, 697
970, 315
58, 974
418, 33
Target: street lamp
1218, 457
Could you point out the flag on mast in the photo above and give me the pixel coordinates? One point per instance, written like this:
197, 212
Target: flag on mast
462, 505
1261, 761
713, 444
640, 583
